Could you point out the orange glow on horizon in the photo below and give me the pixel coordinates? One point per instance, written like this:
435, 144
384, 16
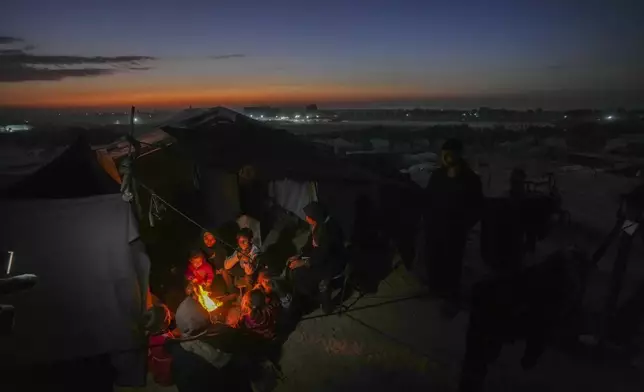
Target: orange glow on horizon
208, 96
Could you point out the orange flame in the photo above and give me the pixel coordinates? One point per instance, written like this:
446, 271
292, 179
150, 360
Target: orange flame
203, 296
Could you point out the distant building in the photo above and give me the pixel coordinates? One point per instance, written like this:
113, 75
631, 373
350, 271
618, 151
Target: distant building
15, 128
259, 111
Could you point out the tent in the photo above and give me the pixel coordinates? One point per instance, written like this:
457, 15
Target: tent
239, 160
234, 164
296, 171
67, 223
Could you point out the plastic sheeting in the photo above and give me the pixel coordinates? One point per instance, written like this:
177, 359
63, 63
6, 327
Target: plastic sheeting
292, 195
92, 283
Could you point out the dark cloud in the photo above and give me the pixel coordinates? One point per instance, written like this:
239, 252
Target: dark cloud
19, 65
11, 52
226, 56
135, 68
9, 40
24, 74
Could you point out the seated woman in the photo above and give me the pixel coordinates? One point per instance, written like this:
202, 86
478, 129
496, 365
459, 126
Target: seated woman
214, 251
323, 257
243, 263
199, 272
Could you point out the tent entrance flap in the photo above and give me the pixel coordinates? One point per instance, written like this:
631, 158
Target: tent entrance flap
292, 195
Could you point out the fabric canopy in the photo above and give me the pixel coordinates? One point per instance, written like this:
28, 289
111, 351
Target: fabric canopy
91, 280
74, 173
68, 225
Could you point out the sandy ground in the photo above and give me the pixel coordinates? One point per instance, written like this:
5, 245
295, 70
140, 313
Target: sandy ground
388, 341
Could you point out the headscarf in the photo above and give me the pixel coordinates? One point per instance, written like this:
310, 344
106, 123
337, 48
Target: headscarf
201, 240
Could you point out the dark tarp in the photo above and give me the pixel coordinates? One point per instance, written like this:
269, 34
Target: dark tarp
74, 173
68, 224
220, 196
222, 138
92, 280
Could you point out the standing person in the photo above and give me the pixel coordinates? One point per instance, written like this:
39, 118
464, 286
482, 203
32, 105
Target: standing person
242, 263
454, 200
321, 258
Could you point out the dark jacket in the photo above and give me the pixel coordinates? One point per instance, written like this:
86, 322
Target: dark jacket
216, 255
453, 204
503, 233
325, 245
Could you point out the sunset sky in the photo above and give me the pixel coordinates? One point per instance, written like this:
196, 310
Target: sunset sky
566, 53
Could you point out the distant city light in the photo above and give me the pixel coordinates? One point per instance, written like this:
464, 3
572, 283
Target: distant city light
118, 122
565, 116
609, 117
136, 120
261, 116
297, 116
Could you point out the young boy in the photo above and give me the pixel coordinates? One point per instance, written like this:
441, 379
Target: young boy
242, 263
274, 292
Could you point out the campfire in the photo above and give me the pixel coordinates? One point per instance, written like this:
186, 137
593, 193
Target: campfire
203, 296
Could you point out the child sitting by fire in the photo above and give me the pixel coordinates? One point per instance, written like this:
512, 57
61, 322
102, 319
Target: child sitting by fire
199, 273
258, 314
243, 263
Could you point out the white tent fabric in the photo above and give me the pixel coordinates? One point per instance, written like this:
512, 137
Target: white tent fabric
292, 195
92, 279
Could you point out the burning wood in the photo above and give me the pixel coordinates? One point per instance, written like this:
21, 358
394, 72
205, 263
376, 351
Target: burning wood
203, 296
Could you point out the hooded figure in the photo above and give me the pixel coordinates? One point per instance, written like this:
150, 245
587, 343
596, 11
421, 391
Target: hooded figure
322, 257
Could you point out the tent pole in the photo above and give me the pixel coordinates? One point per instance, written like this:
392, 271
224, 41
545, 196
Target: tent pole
132, 111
